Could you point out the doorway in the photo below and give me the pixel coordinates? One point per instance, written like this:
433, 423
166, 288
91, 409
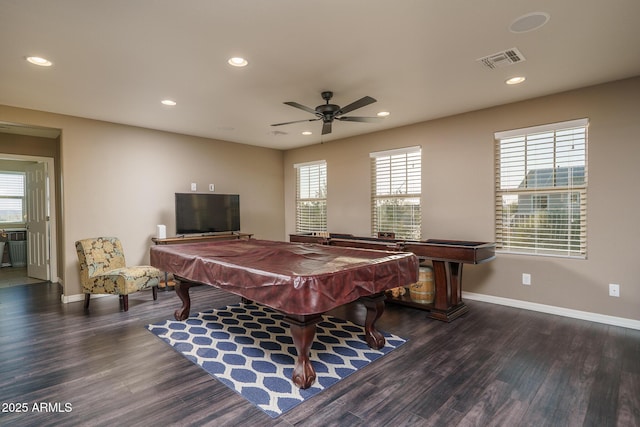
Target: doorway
38, 225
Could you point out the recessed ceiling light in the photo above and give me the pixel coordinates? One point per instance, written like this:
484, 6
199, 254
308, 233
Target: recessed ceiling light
515, 80
383, 113
42, 62
307, 132
238, 62
169, 102
529, 22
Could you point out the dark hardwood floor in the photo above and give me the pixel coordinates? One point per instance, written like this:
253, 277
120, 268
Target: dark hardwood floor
494, 366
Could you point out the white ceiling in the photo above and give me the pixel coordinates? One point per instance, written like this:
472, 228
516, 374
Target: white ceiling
115, 60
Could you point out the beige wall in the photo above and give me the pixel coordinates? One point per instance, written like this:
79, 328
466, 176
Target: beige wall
120, 180
458, 194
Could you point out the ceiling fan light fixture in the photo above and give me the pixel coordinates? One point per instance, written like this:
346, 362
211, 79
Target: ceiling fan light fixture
39, 61
383, 114
330, 112
237, 61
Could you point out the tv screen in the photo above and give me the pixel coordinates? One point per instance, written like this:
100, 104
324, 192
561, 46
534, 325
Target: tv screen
207, 213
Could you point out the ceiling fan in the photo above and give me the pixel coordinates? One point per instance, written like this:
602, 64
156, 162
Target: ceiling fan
330, 112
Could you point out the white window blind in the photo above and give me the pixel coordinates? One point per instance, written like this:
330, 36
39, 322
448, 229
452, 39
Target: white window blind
311, 197
541, 190
396, 180
12, 197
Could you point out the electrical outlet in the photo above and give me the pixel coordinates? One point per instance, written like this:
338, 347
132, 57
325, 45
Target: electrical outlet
194, 187
526, 279
212, 187
614, 290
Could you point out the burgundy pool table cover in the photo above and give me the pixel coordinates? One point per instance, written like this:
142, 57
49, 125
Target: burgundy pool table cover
291, 277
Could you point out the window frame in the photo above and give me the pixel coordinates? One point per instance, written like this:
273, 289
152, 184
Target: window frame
304, 222
549, 216
382, 163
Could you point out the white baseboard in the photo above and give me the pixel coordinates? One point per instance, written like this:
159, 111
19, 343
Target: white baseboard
560, 311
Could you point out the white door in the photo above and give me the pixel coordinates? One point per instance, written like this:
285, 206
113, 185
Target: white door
37, 221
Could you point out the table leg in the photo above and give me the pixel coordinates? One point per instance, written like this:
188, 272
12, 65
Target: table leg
182, 290
303, 330
448, 304
375, 308
442, 286
455, 269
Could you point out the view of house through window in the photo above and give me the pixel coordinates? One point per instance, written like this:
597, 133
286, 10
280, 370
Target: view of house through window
12, 194
395, 193
311, 197
541, 189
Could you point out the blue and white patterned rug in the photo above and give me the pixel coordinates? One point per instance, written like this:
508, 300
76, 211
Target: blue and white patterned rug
249, 348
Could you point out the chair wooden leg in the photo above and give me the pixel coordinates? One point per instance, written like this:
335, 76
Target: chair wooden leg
87, 297
154, 289
125, 302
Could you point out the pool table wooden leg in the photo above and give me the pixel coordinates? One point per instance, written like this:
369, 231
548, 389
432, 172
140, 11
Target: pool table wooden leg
303, 330
375, 308
182, 290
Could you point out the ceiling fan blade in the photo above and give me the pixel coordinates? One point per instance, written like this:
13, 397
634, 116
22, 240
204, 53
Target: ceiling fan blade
364, 101
326, 128
295, 121
302, 107
361, 119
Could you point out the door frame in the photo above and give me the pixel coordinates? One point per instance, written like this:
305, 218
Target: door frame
53, 240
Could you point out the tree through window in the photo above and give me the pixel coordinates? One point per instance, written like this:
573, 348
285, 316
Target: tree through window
311, 197
396, 177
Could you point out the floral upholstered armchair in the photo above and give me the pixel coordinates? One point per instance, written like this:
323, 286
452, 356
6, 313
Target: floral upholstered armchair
103, 271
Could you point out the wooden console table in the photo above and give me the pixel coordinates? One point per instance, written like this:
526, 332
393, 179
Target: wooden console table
200, 238
446, 256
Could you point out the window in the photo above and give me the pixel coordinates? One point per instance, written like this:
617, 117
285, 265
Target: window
12, 203
541, 190
311, 197
395, 192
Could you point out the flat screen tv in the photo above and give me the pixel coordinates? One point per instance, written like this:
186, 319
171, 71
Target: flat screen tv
207, 213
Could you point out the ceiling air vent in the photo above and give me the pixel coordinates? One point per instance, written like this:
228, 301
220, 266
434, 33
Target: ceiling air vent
502, 59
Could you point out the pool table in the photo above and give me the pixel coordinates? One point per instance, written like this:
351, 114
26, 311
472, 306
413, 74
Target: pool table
301, 281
